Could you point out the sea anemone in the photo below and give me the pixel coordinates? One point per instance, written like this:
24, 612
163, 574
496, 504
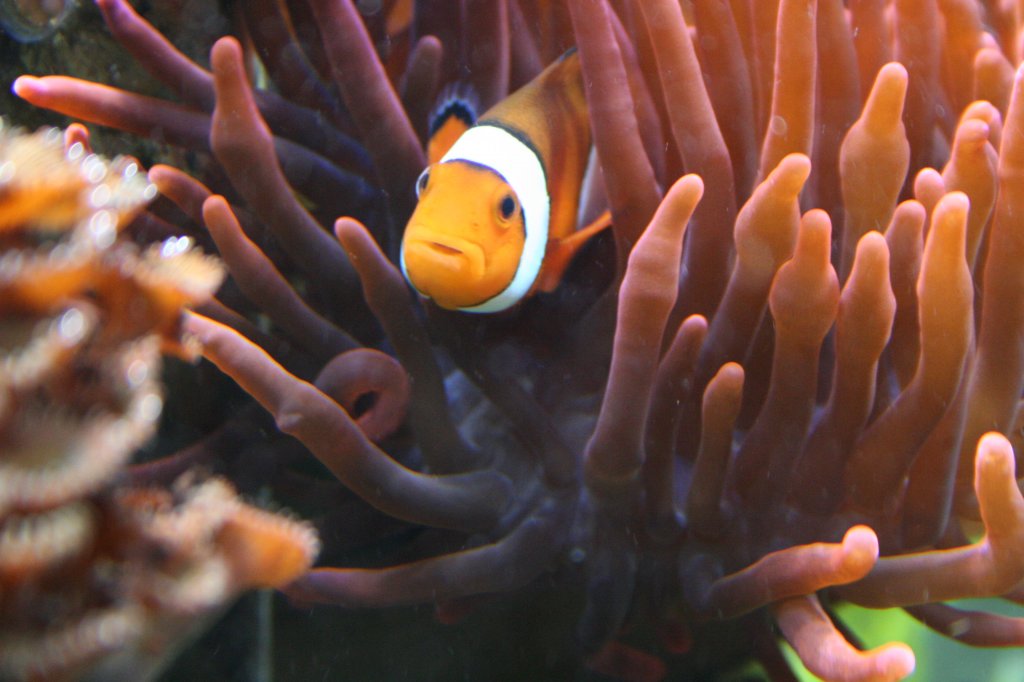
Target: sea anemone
787, 378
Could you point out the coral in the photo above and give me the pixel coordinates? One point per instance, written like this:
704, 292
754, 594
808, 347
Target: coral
787, 378
98, 577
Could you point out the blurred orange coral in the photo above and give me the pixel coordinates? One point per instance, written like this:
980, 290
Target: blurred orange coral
98, 578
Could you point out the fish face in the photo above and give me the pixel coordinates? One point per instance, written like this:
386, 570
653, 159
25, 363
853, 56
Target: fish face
464, 241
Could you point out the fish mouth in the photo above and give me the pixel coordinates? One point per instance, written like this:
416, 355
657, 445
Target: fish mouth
446, 252
443, 249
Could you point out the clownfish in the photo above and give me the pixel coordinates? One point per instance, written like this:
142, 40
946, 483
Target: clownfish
497, 211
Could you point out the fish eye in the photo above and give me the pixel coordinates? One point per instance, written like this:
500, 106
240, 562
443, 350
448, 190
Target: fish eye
422, 180
507, 207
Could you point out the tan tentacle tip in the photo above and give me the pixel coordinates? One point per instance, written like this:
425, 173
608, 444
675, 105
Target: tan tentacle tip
860, 551
729, 378
929, 187
891, 662
872, 257
166, 177
826, 652
814, 238
791, 173
199, 331
359, 245
27, 86
689, 188
893, 74
347, 230
694, 326
159, 174
953, 206
971, 134
995, 482
884, 109
994, 460
225, 55
982, 110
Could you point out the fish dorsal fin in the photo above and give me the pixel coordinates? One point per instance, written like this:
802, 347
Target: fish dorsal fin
456, 111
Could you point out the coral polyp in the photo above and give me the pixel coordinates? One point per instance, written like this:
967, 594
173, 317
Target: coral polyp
785, 379
100, 578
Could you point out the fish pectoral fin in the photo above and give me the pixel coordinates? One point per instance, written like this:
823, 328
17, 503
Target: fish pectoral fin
560, 252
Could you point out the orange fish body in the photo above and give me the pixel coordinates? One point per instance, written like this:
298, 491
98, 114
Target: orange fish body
497, 212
